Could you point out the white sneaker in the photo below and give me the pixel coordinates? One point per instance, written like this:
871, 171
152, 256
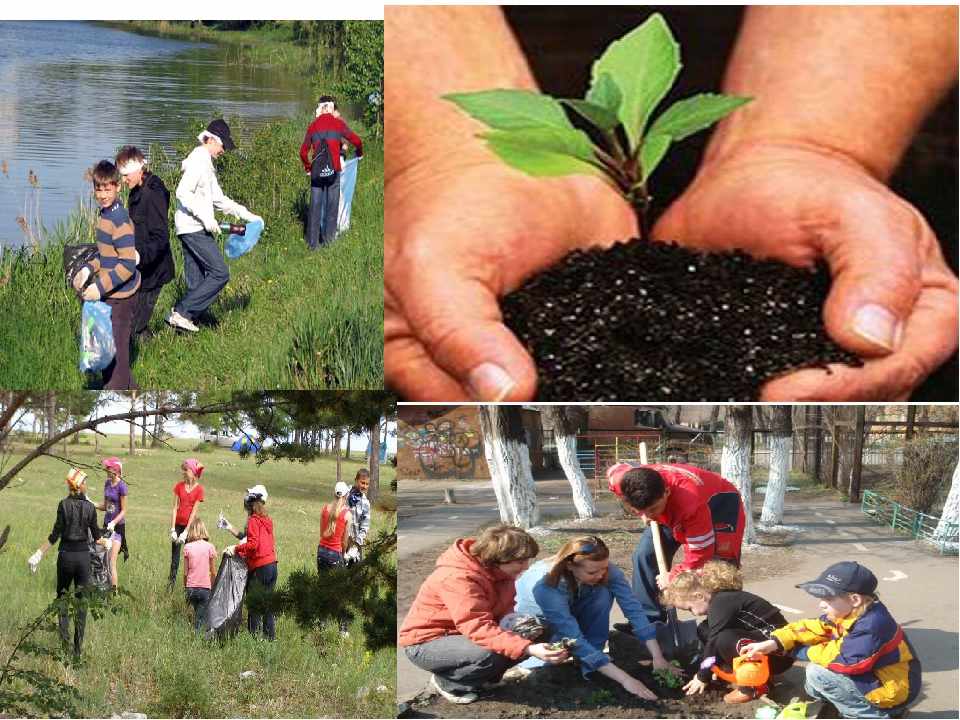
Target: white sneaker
179, 321
459, 698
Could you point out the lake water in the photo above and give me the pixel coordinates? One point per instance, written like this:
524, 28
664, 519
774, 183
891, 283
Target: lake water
72, 93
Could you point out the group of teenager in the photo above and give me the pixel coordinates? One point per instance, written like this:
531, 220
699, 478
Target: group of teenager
134, 260
344, 524
486, 612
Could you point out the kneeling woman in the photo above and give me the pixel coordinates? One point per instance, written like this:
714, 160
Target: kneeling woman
453, 628
573, 592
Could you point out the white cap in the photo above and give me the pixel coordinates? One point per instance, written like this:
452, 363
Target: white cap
341, 489
258, 490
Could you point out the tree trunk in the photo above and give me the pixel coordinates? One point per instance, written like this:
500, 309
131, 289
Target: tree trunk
781, 445
347, 454
508, 457
951, 510
565, 436
51, 411
374, 460
817, 443
157, 422
677, 414
857, 459
911, 419
133, 427
735, 460
143, 426
336, 449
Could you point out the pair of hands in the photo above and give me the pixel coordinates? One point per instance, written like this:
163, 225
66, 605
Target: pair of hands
543, 651
893, 300
213, 227
180, 539
91, 292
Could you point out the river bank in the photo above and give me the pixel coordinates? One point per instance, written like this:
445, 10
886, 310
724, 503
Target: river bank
288, 318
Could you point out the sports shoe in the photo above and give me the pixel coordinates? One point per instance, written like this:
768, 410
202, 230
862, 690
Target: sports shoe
462, 698
743, 695
179, 321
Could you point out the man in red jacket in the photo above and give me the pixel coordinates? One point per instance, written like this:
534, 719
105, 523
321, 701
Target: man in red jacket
693, 507
320, 154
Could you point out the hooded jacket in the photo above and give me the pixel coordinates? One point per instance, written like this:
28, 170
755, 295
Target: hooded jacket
149, 204
868, 646
198, 193
259, 549
464, 597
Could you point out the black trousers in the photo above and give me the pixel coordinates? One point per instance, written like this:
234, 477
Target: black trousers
73, 568
117, 375
175, 548
146, 302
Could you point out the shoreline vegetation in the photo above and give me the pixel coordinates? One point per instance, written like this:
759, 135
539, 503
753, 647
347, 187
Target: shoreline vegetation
288, 318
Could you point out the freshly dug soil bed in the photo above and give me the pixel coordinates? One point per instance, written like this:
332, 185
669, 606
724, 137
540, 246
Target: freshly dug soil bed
660, 322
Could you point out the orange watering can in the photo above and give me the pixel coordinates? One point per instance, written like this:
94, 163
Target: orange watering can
747, 671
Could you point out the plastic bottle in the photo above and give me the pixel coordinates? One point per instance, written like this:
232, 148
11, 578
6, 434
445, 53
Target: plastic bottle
234, 229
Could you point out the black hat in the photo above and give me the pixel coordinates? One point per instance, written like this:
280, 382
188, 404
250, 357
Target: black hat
220, 128
842, 577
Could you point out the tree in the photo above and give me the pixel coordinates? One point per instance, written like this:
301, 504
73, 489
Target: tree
781, 445
361, 81
374, 447
508, 457
564, 421
735, 460
950, 516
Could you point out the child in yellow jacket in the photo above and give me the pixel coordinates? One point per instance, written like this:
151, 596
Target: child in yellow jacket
859, 657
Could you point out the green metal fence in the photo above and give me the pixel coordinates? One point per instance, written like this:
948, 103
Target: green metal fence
910, 522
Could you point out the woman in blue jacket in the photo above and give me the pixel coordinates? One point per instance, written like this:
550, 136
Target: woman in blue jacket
573, 592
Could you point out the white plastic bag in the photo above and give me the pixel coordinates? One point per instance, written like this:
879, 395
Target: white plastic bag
97, 348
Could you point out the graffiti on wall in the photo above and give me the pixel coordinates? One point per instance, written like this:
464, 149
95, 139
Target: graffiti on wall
445, 449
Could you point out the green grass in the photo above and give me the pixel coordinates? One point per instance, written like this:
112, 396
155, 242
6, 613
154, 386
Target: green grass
146, 659
289, 318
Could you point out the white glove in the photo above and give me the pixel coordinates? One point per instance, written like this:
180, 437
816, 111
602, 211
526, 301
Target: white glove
34, 561
136, 255
173, 534
212, 226
91, 293
182, 537
81, 278
229, 550
107, 542
111, 525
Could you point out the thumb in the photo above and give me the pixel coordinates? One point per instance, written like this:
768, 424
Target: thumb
458, 321
876, 265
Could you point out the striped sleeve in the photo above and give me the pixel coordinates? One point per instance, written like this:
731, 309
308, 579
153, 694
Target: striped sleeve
117, 247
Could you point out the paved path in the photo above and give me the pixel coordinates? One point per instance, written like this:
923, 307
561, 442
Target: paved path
919, 586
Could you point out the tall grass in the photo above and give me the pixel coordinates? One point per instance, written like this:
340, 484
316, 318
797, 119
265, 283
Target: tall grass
289, 317
146, 659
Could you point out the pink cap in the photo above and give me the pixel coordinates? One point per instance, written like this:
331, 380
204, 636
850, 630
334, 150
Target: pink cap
194, 466
113, 463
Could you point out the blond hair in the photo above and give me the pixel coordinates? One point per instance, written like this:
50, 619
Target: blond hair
587, 547
712, 577
197, 530
326, 530
503, 544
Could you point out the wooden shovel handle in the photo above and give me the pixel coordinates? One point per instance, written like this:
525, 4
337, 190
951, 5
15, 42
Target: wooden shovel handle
658, 547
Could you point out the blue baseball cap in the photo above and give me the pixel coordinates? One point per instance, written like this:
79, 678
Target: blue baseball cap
842, 577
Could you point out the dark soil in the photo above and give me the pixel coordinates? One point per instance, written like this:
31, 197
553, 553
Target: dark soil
660, 322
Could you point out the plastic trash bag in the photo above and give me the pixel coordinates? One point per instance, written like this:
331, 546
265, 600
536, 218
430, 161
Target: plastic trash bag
74, 258
96, 337
238, 245
348, 183
225, 609
99, 567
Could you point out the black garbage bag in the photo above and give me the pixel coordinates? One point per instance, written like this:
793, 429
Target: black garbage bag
225, 609
74, 258
99, 567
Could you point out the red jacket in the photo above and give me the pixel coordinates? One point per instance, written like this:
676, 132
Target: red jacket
259, 549
464, 597
332, 130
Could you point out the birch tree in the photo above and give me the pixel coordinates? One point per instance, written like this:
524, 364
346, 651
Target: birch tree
563, 421
947, 527
781, 445
508, 457
735, 460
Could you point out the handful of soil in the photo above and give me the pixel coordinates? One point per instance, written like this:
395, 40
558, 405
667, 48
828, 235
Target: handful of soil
654, 321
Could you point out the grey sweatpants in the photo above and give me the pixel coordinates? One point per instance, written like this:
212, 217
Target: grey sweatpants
322, 216
459, 664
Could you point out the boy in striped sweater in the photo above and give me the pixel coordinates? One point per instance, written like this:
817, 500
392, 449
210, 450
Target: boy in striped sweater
115, 275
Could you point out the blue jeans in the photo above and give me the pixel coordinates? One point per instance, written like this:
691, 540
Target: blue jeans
266, 576
198, 598
645, 570
206, 273
324, 209
840, 691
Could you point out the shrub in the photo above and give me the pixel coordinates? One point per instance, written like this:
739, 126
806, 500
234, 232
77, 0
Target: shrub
925, 473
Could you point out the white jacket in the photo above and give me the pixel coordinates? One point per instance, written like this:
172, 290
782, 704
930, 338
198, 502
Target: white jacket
198, 193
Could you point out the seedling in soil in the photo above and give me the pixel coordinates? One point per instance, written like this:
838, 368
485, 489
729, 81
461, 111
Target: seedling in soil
564, 644
601, 697
532, 132
669, 678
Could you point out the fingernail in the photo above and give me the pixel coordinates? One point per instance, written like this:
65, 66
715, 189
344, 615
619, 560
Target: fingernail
878, 325
490, 382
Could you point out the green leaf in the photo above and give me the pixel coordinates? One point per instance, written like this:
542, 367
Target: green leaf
545, 152
605, 93
696, 113
651, 153
512, 109
596, 115
643, 65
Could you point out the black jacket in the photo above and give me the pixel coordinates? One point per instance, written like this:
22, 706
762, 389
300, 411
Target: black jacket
149, 206
738, 610
75, 517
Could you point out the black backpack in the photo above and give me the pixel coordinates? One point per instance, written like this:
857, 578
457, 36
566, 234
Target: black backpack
75, 257
322, 171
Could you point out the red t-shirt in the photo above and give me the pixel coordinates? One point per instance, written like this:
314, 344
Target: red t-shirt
335, 541
187, 500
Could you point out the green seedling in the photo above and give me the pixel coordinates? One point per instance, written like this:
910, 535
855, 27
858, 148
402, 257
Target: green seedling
669, 678
564, 644
601, 697
533, 132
